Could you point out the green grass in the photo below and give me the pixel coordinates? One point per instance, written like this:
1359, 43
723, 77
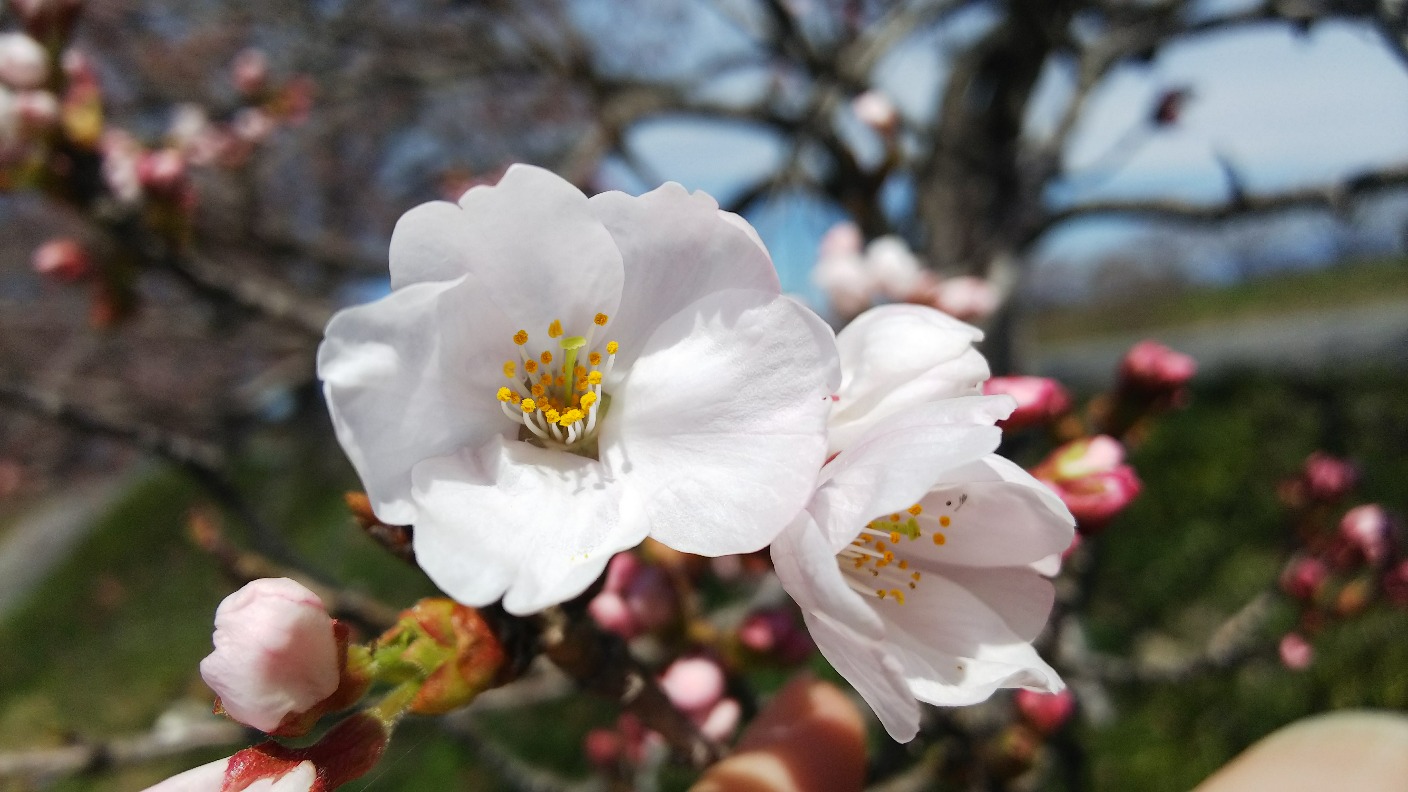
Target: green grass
1363, 283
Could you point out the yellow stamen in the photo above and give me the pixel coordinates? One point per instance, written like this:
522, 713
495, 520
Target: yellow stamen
521, 337
588, 399
895, 518
546, 357
505, 395
510, 370
945, 521
594, 358
894, 537
551, 415
594, 378
611, 347
916, 510
555, 329
537, 391
530, 366
940, 539
898, 595
601, 319
528, 406
904, 565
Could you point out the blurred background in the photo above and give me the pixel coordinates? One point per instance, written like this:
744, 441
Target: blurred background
191, 187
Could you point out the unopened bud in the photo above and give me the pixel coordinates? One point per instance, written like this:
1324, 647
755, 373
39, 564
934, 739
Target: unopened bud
24, 65
62, 260
775, 633
877, 111
446, 645
162, 172
1040, 400
1046, 712
250, 71
1367, 528
1304, 577
894, 267
966, 298
693, 684
1296, 653
1328, 478
1154, 368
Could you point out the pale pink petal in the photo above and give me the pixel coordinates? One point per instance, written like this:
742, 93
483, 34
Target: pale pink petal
533, 526
718, 429
412, 376
994, 524
806, 565
206, 778
676, 247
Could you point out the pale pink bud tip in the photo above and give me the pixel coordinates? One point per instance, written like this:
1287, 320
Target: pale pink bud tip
1329, 478
1046, 712
1296, 653
275, 653
1039, 399
693, 684
875, 110
1367, 528
1304, 577
63, 260
23, 62
1152, 366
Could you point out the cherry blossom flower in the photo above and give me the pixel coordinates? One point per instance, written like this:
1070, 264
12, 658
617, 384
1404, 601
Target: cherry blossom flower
275, 653
553, 378
914, 562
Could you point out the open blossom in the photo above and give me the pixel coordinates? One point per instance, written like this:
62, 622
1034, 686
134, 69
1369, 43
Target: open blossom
915, 561
553, 378
275, 653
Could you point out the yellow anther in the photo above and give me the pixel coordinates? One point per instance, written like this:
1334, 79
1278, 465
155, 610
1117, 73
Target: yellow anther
940, 539
537, 391
865, 538
945, 521
895, 537
916, 510
611, 347
588, 399
521, 337
510, 370
601, 319
561, 380
530, 366
898, 595
889, 557
895, 518
916, 577
594, 358
880, 593
579, 371
880, 546
505, 395
528, 406
594, 378
580, 384
860, 561
546, 357
555, 329
911, 585
514, 397
551, 415
904, 565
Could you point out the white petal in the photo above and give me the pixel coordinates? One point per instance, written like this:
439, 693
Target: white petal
676, 247
875, 674
997, 468
408, 377
719, 426
901, 357
993, 524
206, 778
964, 632
531, 240
893, 466
806, 565
513, 520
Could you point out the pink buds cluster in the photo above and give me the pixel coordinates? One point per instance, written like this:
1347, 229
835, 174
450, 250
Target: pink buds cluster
637, 598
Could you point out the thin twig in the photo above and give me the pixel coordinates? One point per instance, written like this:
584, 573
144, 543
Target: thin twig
92, 755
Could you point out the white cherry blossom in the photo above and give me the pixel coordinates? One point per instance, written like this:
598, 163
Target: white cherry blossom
916, 561
553, 378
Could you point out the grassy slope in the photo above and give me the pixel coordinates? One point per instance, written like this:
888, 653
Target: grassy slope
1350, 284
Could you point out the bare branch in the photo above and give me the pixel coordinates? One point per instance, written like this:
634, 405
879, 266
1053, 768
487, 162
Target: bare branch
89, 756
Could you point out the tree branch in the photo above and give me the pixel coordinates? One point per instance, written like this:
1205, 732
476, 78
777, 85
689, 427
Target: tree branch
89, 756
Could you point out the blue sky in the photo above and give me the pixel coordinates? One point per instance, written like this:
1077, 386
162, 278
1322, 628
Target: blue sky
1288, 109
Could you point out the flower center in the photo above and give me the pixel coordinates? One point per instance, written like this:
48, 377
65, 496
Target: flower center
555, 389
874, 563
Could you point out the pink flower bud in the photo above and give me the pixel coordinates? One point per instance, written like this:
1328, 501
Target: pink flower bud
894, 267
24, 64
842, 239
849, 287
253, 125
603, 748
1097, 499
775, 632
1080, 458
162, 172
620, 571
1040, 400
1329, 478
62, 260
1152, 367
719, 723
1367, 528
1046, 712
693, 684
1304, 577
875, 110
611, 613
651, 598
966, 298
275, 653
1296, 653
250, 71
